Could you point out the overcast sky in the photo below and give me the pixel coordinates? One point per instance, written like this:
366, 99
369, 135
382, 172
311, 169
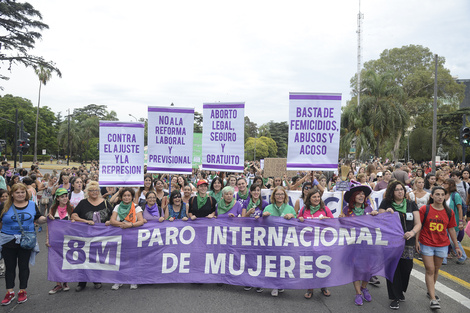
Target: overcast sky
129, 55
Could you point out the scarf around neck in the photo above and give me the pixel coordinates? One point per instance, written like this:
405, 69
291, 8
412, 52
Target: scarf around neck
223, 207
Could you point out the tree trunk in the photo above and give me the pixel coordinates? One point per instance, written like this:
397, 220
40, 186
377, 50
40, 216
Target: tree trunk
396, 146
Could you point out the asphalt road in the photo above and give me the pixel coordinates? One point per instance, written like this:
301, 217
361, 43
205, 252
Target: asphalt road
225, 298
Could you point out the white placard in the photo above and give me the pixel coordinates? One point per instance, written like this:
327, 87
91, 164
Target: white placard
223, 144
121, 154
170, 140
314, 131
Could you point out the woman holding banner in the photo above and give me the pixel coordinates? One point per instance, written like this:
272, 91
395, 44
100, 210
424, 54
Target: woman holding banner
242, 193
151, 210
216, 188
92, 208
314, 208
126, 215
202, 205
279, 207
228, 206
395, 201
254, 205
357, 206
176, 209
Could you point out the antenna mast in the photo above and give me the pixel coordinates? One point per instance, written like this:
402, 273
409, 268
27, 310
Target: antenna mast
360, 17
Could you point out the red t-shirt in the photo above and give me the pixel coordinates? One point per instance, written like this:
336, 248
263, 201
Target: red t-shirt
434, 229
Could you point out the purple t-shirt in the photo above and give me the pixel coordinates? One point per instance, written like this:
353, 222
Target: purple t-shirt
235, 210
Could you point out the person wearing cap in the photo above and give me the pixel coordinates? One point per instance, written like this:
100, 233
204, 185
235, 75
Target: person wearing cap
395, 201
382, 184
202, 205
61, 209
356, 199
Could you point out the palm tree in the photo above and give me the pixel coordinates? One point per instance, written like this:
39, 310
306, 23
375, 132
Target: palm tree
381, 104
354, 126
72, 137
44, 75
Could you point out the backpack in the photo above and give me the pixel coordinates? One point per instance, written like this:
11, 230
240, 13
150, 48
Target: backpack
449, 214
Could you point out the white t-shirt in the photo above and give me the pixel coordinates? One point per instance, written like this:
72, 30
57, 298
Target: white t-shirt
420, 201
75, 198
137, 210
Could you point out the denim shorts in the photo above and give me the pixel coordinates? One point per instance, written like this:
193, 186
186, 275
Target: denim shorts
440, 252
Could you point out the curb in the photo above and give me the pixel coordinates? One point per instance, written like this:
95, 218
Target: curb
467, 250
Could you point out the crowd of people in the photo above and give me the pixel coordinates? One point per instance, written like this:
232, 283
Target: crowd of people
432, 209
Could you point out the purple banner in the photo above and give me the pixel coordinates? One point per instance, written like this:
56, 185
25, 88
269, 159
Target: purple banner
269, 252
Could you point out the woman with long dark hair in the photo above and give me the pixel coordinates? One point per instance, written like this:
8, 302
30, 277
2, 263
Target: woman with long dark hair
254, 205
437, 220
395, 201
61, 209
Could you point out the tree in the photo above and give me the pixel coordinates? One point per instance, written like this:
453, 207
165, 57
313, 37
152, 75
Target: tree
21, 25
250, 128
252, 144
198, 122
271, 144
279, 132
354, 128
44, 75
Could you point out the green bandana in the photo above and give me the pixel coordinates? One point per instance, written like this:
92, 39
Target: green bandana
279, 209
201, 201
358, 211
251, 204
216, 196
223, 207
314, 209
244, 197
123, 210
400, 207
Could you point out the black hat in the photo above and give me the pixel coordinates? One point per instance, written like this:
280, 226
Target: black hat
349, 193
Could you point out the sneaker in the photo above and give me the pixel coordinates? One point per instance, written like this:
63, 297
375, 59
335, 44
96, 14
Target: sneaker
98, 285
374, 280
56, 289
434, 305
258, 290
116, 286
275, 292
133, 286
402, 299
281, 290
66, 286
22, 296
247, 288
395, 305
79, 288
358, 300
437, 298
366, 295
10, 296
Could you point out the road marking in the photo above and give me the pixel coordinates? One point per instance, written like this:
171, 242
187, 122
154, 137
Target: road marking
454, 295
447, 275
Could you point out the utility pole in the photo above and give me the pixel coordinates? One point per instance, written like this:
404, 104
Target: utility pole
434, 120
15, 143
360, 16
68, 139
